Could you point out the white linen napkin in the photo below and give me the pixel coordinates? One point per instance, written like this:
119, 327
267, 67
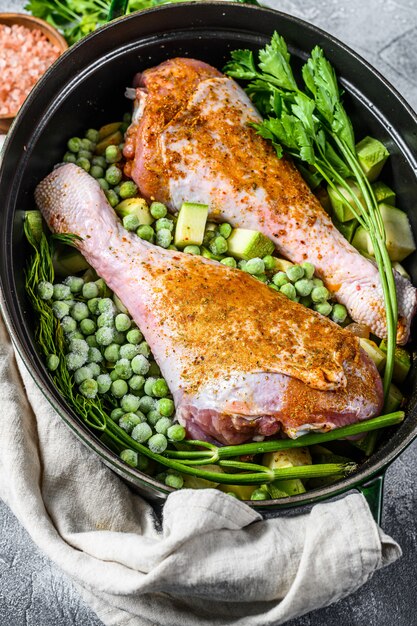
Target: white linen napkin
214, 562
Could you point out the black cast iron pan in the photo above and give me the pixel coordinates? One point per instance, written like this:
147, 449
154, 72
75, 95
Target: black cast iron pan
85, 88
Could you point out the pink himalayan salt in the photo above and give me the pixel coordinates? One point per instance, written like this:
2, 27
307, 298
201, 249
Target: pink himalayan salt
24, 56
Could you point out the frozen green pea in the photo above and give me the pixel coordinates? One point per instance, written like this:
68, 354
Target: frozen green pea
68, 324
309, 269
79, 346
91, 341
134, 336
325, 308
229, 261
74, 334
79, 311
96, 171
120, 307
113, 155
158, 210
295, 272
255, 266
141, 432
119, 338
174, 480
122, 322
171, 247
129, 402
94, 355
131, 222
52, 362
192, 250
157, 443
128, 351
106, 305
166, 407
84, 163
242, 264
320, 294
261, 277
105, 319
69, 157
339, 313
112, 352
128, 189
209, 235
74, 361
144, 349
100, 161
75, 283
92, 135
280, 278
164, 224
162, 425
74, 144
140, 364
113, 375
89, 388
129, 420
103, 383
123, 368
146, 232
163, 237
153, 417
81, 374
113, 174
130, 457
146, 404
269, 262
87, 144
225, 230
92, 305
317, 282
90, 290
176, 432
45, 290
218, 245
289, 291
273, 287
112, 197
105, 336
149, 385
85, 154
116, 414
304, 287
87, 326
103, 184
160, 388
61, 292
94, 368
119, 388
116, 189
136, 382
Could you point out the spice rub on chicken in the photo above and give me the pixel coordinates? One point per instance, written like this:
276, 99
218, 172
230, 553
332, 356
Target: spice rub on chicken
240, 359
191, 140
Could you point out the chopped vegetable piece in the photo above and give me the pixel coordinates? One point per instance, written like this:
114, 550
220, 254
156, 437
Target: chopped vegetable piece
52, 362
135, 206
248, 244
372, 155
109, 140
399, 236
383, 193
130, 457
394, 399
142, 432
402, 362
377, 355
175, 480
191, 223
347, 229
344, 207
158, 210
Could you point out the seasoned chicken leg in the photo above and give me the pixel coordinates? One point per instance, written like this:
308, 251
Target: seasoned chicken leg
191, 141
240, 359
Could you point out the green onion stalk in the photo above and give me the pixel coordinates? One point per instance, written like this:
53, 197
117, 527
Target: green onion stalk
94, 412
314, 128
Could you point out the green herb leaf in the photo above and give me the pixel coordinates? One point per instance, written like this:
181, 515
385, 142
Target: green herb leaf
274, 60
242, 65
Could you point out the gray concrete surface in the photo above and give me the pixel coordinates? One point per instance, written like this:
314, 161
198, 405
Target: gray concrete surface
33, 591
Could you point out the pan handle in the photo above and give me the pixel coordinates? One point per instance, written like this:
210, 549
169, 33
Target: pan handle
373, 491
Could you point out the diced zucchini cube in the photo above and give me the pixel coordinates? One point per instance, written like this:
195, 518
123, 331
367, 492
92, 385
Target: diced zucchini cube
360, 239
399, 236
292, 457
401, 270
135, 206
377, 355
394, 399
247, 244
110, 140
243, 492
383, 193
372, 155
191, 223
342, 209
281, 265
